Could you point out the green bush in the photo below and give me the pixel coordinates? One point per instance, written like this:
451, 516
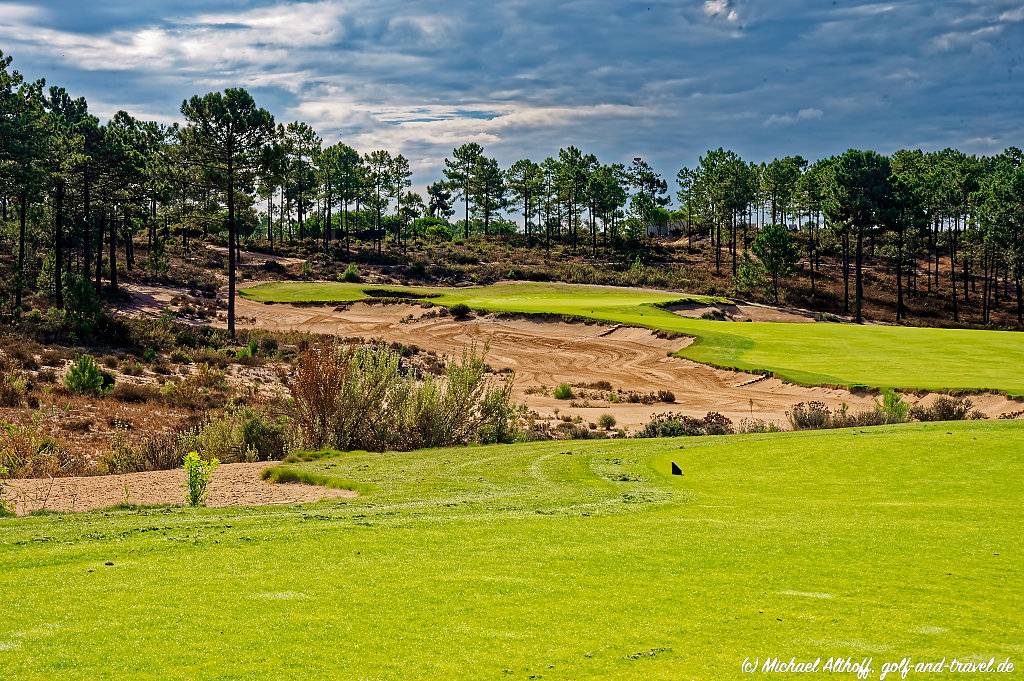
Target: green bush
564, 392
84, 377
13, 389
460, 310
351, 274
893, 408
197, 477
606, 421
242, 433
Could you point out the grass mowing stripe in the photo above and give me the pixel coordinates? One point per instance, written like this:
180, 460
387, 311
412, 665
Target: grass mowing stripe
465, 563
910, 358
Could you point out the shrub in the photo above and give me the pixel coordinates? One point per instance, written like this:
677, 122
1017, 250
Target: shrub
757, 426
666, 396
85, 378
197, 477
51, 358
564, 392
809, 416
179, 357
674, 425
242, 433
815, 415
714, 315
13, 389
351, 274
361, 398
893, 408
4, 474
268, 346
135, 393
460, 310
27, 453
946, 408
204, 388
132, 368
606, 421
148, 453
46, 376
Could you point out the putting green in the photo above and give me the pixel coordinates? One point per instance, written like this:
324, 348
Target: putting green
554, 560
809, 354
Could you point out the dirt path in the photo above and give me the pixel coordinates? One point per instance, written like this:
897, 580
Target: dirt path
236, 484
256, 258
544, 354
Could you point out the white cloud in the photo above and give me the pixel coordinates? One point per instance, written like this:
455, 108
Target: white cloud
975, 39
807, 114
105, 111
267, 37
720, 9
1013, 15
399, 126
987, 142
14, 14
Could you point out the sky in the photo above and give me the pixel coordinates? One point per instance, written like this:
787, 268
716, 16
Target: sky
661, 79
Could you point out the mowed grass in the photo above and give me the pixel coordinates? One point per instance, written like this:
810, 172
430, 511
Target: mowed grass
556, 560
809, 354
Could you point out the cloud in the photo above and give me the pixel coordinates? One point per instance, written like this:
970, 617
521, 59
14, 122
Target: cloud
808, 114
720, 9
1013, 15
620, 78
14, 14
974, 39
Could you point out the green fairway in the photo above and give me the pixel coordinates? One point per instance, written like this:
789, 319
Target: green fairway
809, 354
556, 560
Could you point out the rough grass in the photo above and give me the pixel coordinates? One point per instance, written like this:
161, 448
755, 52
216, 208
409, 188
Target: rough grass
848, 355
552, 560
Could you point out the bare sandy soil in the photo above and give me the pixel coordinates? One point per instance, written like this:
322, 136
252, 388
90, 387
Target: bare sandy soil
255, 258
236, 484
544, 354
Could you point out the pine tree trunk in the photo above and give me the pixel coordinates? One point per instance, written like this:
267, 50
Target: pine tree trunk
20, 279
899, 276
231, 248
112, 242
100, 228
86, 226
860, 275
846, 271
58, 245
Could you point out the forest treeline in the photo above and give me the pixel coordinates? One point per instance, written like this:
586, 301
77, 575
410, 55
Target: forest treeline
77, 196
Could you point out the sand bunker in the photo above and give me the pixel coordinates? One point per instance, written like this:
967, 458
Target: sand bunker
544, 354
743, 312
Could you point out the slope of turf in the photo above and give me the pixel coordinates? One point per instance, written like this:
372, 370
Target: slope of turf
809, 354
556, 560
